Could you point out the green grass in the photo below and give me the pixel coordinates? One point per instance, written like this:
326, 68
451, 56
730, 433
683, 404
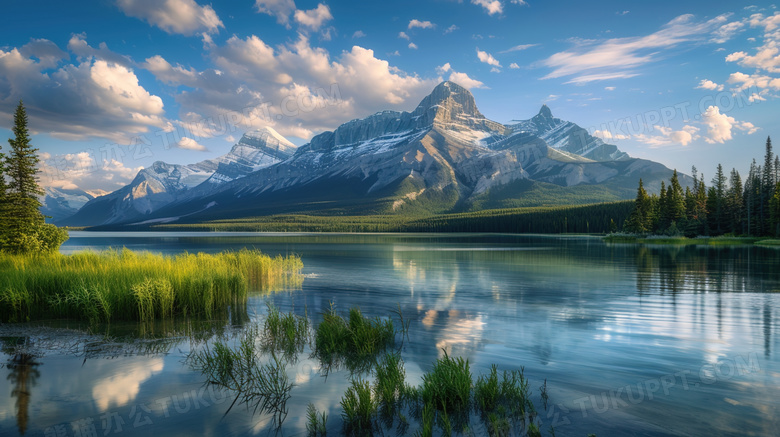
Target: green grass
359, 408
264, 387
127, 285
447, 387
768, 242
353, 339
390, 377
316, 423
722, 240
285, 332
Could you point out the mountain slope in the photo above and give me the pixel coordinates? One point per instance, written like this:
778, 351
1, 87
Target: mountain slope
162, 184
444, 156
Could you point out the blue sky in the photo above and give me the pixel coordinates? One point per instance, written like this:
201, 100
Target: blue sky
114, 85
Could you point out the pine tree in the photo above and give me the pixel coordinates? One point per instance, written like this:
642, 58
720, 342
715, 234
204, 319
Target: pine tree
25, 228
639, 220
774, 211
716, 203
674, 200
767, 185
3, 201
734, 203
663, 212
752, 198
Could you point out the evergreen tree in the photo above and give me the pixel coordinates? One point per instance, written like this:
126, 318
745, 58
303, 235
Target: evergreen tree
663, 220
639, 220
734, 203
25, 228
675, 202
716, 203
774, 211
3, 201
752, 199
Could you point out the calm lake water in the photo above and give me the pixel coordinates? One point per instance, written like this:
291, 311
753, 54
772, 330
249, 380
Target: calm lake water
632, 340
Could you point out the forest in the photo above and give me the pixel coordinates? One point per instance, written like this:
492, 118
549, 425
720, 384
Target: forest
728, 206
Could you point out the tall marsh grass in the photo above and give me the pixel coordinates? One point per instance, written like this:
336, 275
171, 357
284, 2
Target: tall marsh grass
127, 285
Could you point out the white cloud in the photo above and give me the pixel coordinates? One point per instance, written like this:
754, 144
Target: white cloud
491, 6
78, 46
403, 35
190, 144
707, 84
83, 171
451, 29
413, 46
610, 88
719, 126
487, 58
314, 18
495, 70
93, 98
727, 31
514, 66
607, 135
444, 68
230, 139
620, 57
281, 9
252, 80
358, 34
174, 16
465, 81
668, 136
421, 24
552, 98
519, 47
746, 81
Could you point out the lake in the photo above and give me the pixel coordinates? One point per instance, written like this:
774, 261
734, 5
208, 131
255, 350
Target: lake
632, 340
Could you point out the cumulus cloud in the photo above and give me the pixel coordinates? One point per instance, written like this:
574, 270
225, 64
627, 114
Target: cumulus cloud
444, 68
608, 135
93, 98
295, 87
514, 66
174, 16
720, 126
313, 18
465, 81
190, 144
618, 58
744, 81
487, 58
451, 29
413, 46
421, 24
358, 34
491, 6
281, 9
78, 46
46, 52
669, 136
92, 170
403, 35
706, 84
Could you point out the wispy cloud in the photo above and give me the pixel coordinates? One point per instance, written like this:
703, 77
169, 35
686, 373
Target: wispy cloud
618, 58
518, 48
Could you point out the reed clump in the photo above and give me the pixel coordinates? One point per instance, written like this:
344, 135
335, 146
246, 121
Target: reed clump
354, 338
127, 285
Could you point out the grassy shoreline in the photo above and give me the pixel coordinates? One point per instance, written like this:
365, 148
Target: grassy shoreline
127, 285
683, 241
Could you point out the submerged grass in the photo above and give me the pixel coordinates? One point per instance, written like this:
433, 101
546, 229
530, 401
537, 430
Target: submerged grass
263, 387
359, 408
127, 285
354, 339
285, 332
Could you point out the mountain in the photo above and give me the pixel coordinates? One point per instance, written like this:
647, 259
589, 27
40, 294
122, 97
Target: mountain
567, 136
444, 156
162, 184
61, 203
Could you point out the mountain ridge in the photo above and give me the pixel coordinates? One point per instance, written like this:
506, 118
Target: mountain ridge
444, 156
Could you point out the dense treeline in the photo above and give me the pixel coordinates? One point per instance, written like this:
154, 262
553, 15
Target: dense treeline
22, 226
597, 218
727, 206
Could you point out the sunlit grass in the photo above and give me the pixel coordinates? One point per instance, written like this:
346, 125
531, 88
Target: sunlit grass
353, 339
127, 285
